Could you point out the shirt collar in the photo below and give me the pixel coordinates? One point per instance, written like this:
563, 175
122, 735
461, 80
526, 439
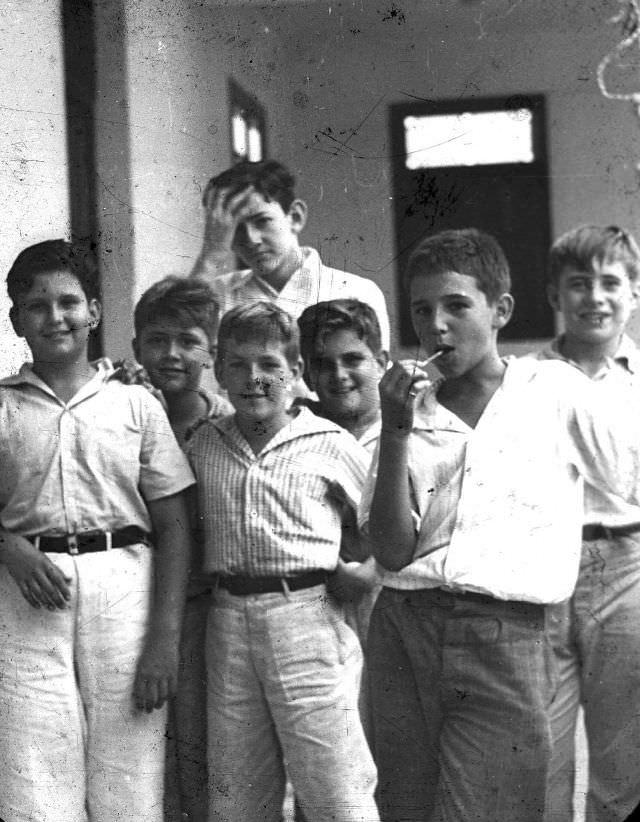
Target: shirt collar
26, 376
431, 416
305, 422
627, 355
308, 271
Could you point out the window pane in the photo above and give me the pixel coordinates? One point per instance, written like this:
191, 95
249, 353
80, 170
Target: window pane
469, 139
239, 135
255, 144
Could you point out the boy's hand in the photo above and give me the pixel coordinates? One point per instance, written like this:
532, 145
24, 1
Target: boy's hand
222, 213
157, 673
129, 372
398, 390
40, 581
351, 580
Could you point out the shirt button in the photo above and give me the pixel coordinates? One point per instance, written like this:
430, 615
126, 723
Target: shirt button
254, 513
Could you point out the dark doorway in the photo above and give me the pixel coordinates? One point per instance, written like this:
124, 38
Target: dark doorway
490, 173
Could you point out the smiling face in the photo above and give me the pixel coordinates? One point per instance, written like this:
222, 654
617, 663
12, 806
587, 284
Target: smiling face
55, 317
449, 310
595, 304
266, 238
345, 374
257, 376
173, 354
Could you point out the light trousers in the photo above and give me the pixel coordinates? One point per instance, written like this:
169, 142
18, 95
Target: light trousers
283, 672
73, 746
597, 643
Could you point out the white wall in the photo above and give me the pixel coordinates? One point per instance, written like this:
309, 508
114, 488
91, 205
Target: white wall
32, 143
326, 73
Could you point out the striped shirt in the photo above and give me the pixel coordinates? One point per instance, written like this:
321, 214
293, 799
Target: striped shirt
279, 512
499, 508
619, 383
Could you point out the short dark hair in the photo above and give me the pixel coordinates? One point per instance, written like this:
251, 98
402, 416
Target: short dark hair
188, 301
466, 251
48, 257
269, 177
582, 246
262, 321
319, 321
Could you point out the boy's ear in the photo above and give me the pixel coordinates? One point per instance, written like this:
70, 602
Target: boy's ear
308, 376
14, 316
297, 369
95, 313
297, 215
553, 295
503, 310
383, 360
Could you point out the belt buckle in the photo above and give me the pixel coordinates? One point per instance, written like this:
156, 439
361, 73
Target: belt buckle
72, 544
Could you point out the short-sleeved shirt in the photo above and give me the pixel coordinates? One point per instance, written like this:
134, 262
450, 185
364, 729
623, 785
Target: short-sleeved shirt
499, 508
279, 512
88, 464
311, 283
619, 382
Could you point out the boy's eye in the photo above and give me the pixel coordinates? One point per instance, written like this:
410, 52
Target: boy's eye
353, 360
189, 342
70, 301
611, 283
457, 305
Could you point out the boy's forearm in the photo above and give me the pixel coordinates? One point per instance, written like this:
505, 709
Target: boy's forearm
170, 518
212, 262
391, 526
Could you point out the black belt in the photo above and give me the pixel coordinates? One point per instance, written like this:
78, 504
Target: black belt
89, 541
599, 531
240, 585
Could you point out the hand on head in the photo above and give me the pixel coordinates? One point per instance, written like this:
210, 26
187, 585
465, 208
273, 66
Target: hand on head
223, 207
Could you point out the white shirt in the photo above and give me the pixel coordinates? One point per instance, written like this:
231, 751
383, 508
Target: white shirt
499, 507
279, 512
88, 464
619, 382
312, 283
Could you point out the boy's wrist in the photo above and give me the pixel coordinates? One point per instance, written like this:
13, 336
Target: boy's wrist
395, 432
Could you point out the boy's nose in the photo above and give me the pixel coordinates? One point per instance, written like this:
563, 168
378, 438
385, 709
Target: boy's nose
439, 321
596, 293
252, 235
56, 313
340, 373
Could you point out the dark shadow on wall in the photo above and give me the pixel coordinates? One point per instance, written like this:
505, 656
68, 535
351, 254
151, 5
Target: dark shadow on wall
95, 72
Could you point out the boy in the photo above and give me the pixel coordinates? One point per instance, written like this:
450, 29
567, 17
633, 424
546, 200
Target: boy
341, 347
252, 210
273, 485
88, 639
593, 285
176, 323
474, 510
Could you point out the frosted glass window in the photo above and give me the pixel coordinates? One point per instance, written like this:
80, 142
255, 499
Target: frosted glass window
255, 144
469, 139
239, 135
